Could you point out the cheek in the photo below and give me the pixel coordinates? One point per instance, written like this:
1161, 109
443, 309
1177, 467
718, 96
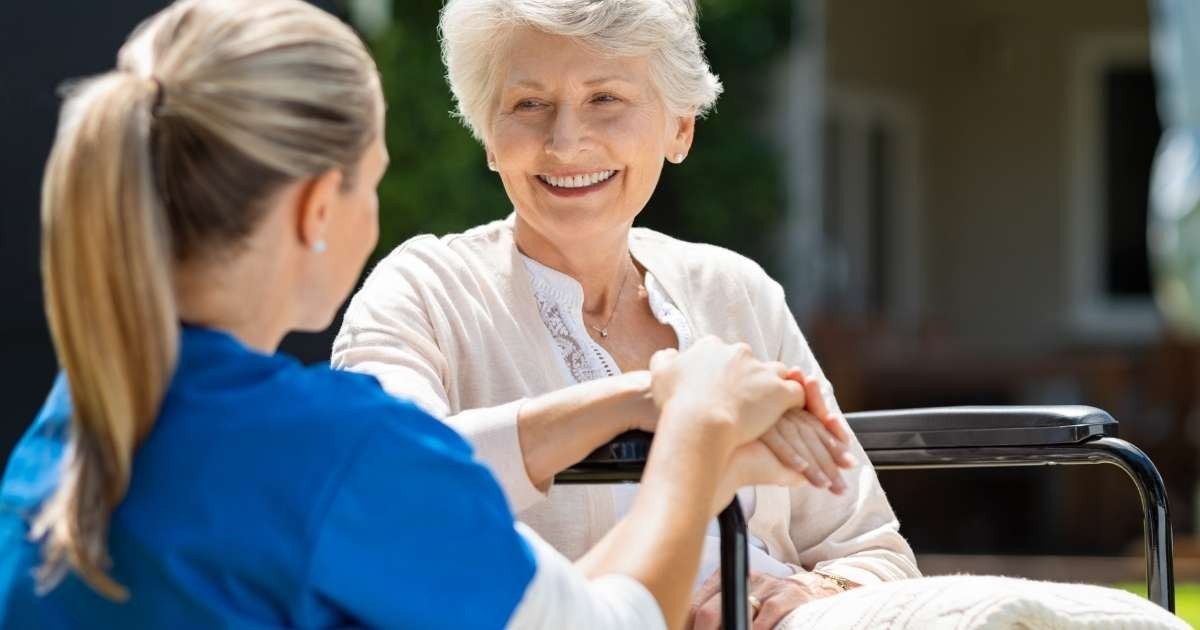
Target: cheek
512, 142
369, 223
636, 137
358, 230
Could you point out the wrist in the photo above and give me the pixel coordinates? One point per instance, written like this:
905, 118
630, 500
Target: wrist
639, 410
833, 582
712, 426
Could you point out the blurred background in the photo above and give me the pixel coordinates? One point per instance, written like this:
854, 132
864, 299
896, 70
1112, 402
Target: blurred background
954, 193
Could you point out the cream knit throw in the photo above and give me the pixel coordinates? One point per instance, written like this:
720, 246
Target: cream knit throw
961, 602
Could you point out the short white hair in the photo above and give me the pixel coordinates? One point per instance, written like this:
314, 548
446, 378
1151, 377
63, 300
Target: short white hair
474, 33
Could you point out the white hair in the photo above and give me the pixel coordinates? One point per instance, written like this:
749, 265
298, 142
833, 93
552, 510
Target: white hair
474, 33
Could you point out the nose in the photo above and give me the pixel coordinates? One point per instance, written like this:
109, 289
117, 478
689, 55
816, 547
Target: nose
567, 135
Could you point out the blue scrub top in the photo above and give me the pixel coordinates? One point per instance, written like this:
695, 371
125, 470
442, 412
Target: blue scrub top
270, 494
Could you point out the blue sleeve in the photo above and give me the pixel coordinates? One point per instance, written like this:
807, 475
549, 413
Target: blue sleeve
419, 534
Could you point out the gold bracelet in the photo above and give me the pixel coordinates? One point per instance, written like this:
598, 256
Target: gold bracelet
841, 582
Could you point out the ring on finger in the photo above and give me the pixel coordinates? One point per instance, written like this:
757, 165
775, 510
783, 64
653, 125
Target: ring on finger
755, 605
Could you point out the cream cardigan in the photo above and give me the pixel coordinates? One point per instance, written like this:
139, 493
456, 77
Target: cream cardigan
452, 324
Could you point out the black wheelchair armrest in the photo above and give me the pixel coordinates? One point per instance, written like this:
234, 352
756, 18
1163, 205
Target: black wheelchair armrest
974, 427
934, 427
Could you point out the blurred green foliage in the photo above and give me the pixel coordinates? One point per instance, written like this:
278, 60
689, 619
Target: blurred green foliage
729, 191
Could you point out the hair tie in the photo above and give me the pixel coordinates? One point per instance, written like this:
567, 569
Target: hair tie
159, 93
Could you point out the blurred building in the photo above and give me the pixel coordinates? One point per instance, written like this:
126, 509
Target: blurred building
985, 170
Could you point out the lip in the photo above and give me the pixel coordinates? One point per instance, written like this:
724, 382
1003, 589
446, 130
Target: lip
576, 192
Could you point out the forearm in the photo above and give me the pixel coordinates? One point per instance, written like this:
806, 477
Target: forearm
559, 429
561, 596
658, 543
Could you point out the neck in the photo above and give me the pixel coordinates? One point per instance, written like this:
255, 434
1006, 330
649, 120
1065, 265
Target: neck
241, 297
601, 264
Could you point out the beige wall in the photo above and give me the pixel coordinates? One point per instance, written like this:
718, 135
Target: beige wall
988, 81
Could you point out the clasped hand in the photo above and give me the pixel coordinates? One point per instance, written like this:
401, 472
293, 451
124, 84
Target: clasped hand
782, 424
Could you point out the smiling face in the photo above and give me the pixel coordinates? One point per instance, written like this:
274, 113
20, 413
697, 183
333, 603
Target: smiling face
579, 138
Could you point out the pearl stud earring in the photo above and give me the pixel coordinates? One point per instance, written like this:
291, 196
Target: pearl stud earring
678, 158
492, 165
319, 247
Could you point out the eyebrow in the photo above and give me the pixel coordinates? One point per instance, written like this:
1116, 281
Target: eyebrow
534, 85
608, 79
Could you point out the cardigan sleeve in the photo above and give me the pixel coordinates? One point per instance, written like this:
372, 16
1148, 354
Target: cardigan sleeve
855, 535
389, 332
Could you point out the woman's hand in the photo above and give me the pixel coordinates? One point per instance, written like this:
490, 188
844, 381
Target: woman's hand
725, 384
777, 597
811, 440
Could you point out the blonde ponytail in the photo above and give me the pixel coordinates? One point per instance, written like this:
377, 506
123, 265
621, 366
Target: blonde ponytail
214, 105
106, 268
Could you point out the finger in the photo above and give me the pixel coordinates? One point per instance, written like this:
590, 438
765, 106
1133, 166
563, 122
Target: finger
791, 432
708, 588
774, 609
708, 614
840, 451
817, 405
822, 458
757, 464
661, 358
794, 394
784, 450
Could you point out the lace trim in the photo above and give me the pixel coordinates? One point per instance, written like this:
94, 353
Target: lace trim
559, 301
583, 365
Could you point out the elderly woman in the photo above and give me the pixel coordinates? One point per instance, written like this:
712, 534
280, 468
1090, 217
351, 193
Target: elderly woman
532, 335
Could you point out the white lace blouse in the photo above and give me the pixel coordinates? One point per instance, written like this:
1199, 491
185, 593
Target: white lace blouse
559, 299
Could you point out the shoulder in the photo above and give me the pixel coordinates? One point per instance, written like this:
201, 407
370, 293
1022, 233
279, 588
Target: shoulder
702, 264
431, 263
362, 407
489, 239
32, 471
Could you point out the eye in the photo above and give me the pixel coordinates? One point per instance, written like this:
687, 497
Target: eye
605, 98
527, 104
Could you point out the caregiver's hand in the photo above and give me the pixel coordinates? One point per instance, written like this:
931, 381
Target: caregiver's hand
812, 440
724, 383
753, 465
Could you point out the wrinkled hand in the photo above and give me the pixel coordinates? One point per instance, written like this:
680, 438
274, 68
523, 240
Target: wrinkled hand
725, 383
812, 441
779, 597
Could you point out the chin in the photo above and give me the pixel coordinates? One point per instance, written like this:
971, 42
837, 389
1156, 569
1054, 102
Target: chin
317, 322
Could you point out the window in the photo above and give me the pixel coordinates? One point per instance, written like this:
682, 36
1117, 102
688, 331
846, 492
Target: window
871, 219
1113, 131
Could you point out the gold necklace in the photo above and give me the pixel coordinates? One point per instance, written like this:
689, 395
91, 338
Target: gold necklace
616, 303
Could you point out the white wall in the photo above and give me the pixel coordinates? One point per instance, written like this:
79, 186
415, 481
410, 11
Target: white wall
988, 81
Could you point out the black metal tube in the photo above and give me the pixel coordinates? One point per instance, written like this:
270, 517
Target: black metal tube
1156, 519
735, 568
1160, 573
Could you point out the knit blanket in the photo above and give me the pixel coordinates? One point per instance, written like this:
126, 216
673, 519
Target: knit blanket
962, 602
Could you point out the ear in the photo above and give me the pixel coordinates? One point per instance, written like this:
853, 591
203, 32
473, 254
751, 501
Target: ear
683, 129
491, 158
315, 207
